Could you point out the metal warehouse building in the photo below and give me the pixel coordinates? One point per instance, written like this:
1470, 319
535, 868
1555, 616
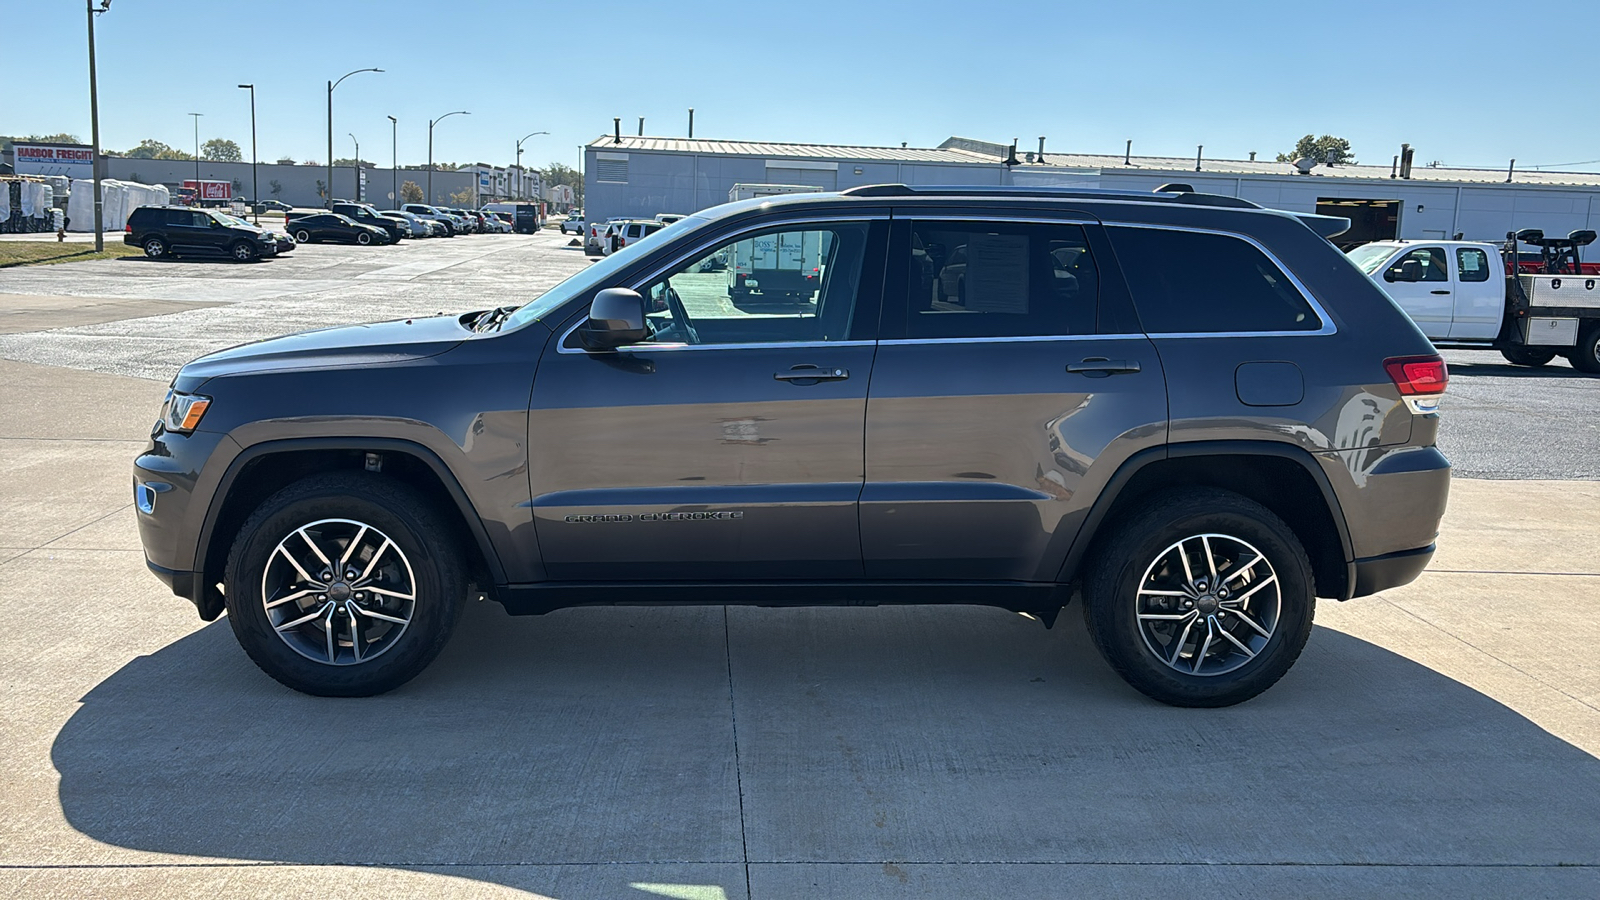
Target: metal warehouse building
641, 176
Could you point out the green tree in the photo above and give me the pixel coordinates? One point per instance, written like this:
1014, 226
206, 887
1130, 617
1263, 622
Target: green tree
347, 162
1321, 149
221, 150
150, 148
410, 192
556, 173
444, 167
59, 138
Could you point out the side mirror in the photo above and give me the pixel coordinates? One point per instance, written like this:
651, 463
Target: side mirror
1409, 271
616, 318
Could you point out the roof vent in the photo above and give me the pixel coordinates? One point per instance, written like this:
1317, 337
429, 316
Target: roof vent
1304, 165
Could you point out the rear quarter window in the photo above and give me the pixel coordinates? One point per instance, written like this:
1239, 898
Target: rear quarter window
1195, 282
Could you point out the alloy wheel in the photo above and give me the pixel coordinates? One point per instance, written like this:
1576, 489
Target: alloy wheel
338, 592
1208, 604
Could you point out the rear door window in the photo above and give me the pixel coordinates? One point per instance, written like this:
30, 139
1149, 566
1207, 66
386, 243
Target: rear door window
1194, 282
1000, 279
1473, 263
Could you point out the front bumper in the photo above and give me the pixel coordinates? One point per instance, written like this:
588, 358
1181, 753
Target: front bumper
172, 494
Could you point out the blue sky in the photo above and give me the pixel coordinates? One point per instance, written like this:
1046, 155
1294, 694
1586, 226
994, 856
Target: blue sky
1449, 78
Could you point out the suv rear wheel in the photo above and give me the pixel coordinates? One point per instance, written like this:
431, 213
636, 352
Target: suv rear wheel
1201, 598
344, 585
155, 248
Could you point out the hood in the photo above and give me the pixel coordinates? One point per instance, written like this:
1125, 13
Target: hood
352, 345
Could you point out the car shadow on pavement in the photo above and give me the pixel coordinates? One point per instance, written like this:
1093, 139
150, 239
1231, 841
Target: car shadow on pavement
956, 734
1558, 369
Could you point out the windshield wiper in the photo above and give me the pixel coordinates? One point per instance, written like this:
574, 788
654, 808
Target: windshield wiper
493, 318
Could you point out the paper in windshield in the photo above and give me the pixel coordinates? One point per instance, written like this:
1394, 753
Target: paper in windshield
997, 273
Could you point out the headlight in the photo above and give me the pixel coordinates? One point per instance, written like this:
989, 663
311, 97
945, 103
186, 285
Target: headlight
181, 412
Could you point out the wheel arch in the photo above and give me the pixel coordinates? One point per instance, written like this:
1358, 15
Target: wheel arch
1282, 477
274, 465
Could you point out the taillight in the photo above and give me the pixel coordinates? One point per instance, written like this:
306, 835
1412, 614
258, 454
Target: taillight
128, 228
1421, 380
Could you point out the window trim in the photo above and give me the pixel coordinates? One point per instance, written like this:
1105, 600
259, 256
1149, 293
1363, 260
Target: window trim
1328, 326
705, 247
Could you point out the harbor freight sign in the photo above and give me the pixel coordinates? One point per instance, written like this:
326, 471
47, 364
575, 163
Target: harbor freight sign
72, 160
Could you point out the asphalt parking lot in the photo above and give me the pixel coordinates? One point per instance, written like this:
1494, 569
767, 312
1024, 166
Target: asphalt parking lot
1438, 739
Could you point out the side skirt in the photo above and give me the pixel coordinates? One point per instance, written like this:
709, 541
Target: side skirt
1039, 600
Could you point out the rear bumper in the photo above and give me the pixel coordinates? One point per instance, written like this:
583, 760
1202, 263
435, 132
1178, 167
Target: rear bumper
1380, 573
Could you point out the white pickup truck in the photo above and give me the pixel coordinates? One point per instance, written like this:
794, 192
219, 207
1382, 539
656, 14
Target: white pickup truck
1463, 296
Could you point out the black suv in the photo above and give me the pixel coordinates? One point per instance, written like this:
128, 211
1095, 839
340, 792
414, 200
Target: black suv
1192, 412
368, 215
165, 231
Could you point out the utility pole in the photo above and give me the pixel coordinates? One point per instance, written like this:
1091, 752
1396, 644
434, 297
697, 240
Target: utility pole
255, 180
431, 123
357, 166
94, 129
394, 161
199, 194
331, 86
521, 195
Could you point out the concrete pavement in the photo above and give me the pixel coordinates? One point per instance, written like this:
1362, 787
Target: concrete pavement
1440, 739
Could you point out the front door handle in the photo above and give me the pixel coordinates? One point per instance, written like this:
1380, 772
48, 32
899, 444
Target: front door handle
809, 374
1100, 367
1438, 292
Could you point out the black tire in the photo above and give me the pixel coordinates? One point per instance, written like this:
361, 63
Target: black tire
1585, 357
241, 251
1143, 540
428, 548
364, 239
156, 248
1528, 356
302, 236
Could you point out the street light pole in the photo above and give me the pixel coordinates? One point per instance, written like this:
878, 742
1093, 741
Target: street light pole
521, 195
198, 193
431, 123
94, 129
255, 180
357, 166
331, 86
394, 160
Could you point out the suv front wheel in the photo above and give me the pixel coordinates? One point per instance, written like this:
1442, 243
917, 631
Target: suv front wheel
344, 585
1201, 598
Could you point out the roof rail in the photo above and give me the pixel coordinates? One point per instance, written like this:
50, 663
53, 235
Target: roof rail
1054, 193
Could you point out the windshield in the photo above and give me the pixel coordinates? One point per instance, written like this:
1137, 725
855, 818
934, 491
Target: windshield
597, 274
1368, 257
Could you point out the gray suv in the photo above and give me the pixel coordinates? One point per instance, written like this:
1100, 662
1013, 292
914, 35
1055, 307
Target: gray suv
1190, 412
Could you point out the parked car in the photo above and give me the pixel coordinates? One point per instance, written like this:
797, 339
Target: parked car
1213, 422
524, 217
163, 231
473, 226
433, 214
621, 233
282, 243
366, 214
420, 228
261, 206
573, 222
336, 227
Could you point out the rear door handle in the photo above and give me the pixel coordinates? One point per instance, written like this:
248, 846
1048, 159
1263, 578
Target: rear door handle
810, 374
1438, 292
1100, 367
